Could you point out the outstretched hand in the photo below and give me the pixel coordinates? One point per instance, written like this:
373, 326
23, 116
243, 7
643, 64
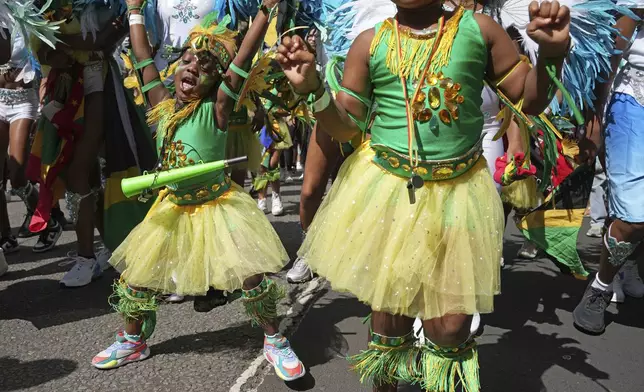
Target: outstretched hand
550, 27
298, 63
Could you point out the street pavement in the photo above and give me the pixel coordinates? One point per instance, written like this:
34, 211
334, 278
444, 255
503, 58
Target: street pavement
48, 334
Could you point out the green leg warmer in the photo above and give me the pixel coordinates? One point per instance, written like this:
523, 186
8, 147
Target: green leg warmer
388, 360
136, 305
443, 369
260, 303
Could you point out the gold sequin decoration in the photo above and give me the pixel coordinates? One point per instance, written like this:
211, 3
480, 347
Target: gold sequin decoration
406, 167
461, 166
442, 172
450, 94
215, 187
420, 98
434, 98
444, 116
394, 162
384, 155
202, 194
453, 109
457, 86
460, 99
446, 83
424, 115
421, 171
187, 197
432, 80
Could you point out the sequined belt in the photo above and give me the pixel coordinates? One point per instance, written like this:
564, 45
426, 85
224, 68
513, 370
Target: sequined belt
198, 194
434, 170
17, 97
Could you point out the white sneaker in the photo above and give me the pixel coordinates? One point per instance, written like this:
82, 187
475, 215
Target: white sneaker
82, 273
298, 166
300, 272
595, 231
630, 279
288, 178
618, 290
278, 208
4, 267
174, 298
261, 204
103, 258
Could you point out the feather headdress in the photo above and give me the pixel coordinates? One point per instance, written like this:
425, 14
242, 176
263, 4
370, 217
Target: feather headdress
213, 37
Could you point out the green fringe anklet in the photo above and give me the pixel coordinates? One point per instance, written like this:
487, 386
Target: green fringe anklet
443, 369
260, 303
388, 360
135, 305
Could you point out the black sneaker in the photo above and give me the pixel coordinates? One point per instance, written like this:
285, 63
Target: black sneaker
48, 237
9, 244
24, 231
59, 216
589, 314
212, 299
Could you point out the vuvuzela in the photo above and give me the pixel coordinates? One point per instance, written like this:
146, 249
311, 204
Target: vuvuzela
135, 185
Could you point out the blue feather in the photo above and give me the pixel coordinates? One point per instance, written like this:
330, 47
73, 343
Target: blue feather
589, 61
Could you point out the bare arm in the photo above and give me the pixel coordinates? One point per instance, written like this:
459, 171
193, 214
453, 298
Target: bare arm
549, 27
143, 51
335, 118
248, 49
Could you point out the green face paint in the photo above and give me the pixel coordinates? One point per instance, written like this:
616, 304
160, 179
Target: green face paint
206, 81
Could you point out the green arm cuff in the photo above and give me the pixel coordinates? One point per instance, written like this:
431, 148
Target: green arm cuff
229, 92
143, 64
151, 85
238, 71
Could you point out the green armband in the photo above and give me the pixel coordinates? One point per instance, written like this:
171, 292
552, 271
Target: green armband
142, 64
151, 85
229, 92
238, 71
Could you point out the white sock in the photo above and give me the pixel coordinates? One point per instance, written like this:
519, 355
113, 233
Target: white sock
598, 284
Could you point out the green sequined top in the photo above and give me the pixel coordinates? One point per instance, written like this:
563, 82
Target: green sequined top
448, 133
197, 139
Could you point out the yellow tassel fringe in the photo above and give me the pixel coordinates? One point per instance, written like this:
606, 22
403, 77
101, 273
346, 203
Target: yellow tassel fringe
416, 49
168, 118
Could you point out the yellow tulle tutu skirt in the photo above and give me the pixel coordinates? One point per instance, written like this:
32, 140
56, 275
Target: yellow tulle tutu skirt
438, 256
188, 249
241, 141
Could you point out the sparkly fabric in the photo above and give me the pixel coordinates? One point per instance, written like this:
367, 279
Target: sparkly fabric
619, 250
188, 249
437, 256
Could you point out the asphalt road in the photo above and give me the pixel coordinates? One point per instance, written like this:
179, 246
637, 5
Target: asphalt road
48, 334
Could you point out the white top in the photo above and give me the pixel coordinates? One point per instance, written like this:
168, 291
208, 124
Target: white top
175, 19
490, 109
20, 58
629, 78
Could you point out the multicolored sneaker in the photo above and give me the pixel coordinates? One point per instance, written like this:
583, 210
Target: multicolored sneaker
121, 352
278, 351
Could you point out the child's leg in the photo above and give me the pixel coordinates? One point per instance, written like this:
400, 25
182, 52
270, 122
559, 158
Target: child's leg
260, 298
138, 308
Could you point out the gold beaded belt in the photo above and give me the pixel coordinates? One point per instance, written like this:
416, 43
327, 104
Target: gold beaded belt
200, 193
434, 170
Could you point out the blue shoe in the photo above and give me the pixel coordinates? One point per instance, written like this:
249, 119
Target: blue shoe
278, 351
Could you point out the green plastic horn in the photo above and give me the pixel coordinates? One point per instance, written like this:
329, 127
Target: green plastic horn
135, 185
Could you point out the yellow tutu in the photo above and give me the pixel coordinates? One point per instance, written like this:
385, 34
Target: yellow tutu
440, 255
188, 249
241, 141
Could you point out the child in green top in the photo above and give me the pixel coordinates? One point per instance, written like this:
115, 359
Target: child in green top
413, 225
